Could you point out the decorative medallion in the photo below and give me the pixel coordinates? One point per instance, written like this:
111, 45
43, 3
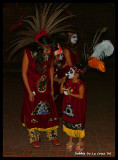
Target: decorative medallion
68, 110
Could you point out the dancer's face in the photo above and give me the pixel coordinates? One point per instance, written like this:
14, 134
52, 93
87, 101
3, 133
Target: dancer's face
59, 57
46, 51
76, 75
74, 38
71, 73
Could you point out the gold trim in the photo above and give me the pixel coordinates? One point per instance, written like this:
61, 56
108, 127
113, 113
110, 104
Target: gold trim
43, 129
74, 133
23, 124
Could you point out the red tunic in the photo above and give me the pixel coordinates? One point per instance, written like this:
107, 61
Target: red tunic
74, 56
74, 109
59, 71
42, 112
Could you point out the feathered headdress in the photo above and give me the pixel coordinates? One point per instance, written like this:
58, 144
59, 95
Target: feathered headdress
76, 69
97, 52
48, 20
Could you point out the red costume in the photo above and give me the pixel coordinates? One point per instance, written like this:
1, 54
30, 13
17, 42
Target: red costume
58, 97
59, 72
74, 109
41, 113
37, 33
73, 55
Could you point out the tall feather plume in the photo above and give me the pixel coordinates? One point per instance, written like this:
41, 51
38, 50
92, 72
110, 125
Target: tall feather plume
37, 18
102, 31
48, 17
97, 52
46, 14
24, 33
31, 25
34, 20
60, 29
103, 49
20, 45
42, 17
52, 21
56, 23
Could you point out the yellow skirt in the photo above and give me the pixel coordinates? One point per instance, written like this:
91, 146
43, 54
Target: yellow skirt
74, 133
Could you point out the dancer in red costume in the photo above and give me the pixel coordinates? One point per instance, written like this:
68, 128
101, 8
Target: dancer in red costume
58, 56
61, 67
39, 111
74, 107
71, 54
68, 42
74, 89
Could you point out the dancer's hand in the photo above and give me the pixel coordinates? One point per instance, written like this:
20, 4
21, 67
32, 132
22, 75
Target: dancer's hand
31, 97
68, 91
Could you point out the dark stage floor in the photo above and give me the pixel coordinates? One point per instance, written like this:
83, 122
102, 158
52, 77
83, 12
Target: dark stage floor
100, 120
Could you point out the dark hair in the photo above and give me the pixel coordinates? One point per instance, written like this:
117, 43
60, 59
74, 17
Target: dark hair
46, 40
81, 77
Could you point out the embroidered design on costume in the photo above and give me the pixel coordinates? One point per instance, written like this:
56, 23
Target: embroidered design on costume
42, 108
33, 54
68, 110
51, 134
42, 84
73, 126
46, 57
59, 66
34, 135
56, 76
34, 121
52, 119
43, 69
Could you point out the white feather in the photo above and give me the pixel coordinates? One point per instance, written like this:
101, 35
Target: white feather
103, 49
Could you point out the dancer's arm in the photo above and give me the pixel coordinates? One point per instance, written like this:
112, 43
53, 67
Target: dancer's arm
25, 64
80, 94
62, 85
67, 56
